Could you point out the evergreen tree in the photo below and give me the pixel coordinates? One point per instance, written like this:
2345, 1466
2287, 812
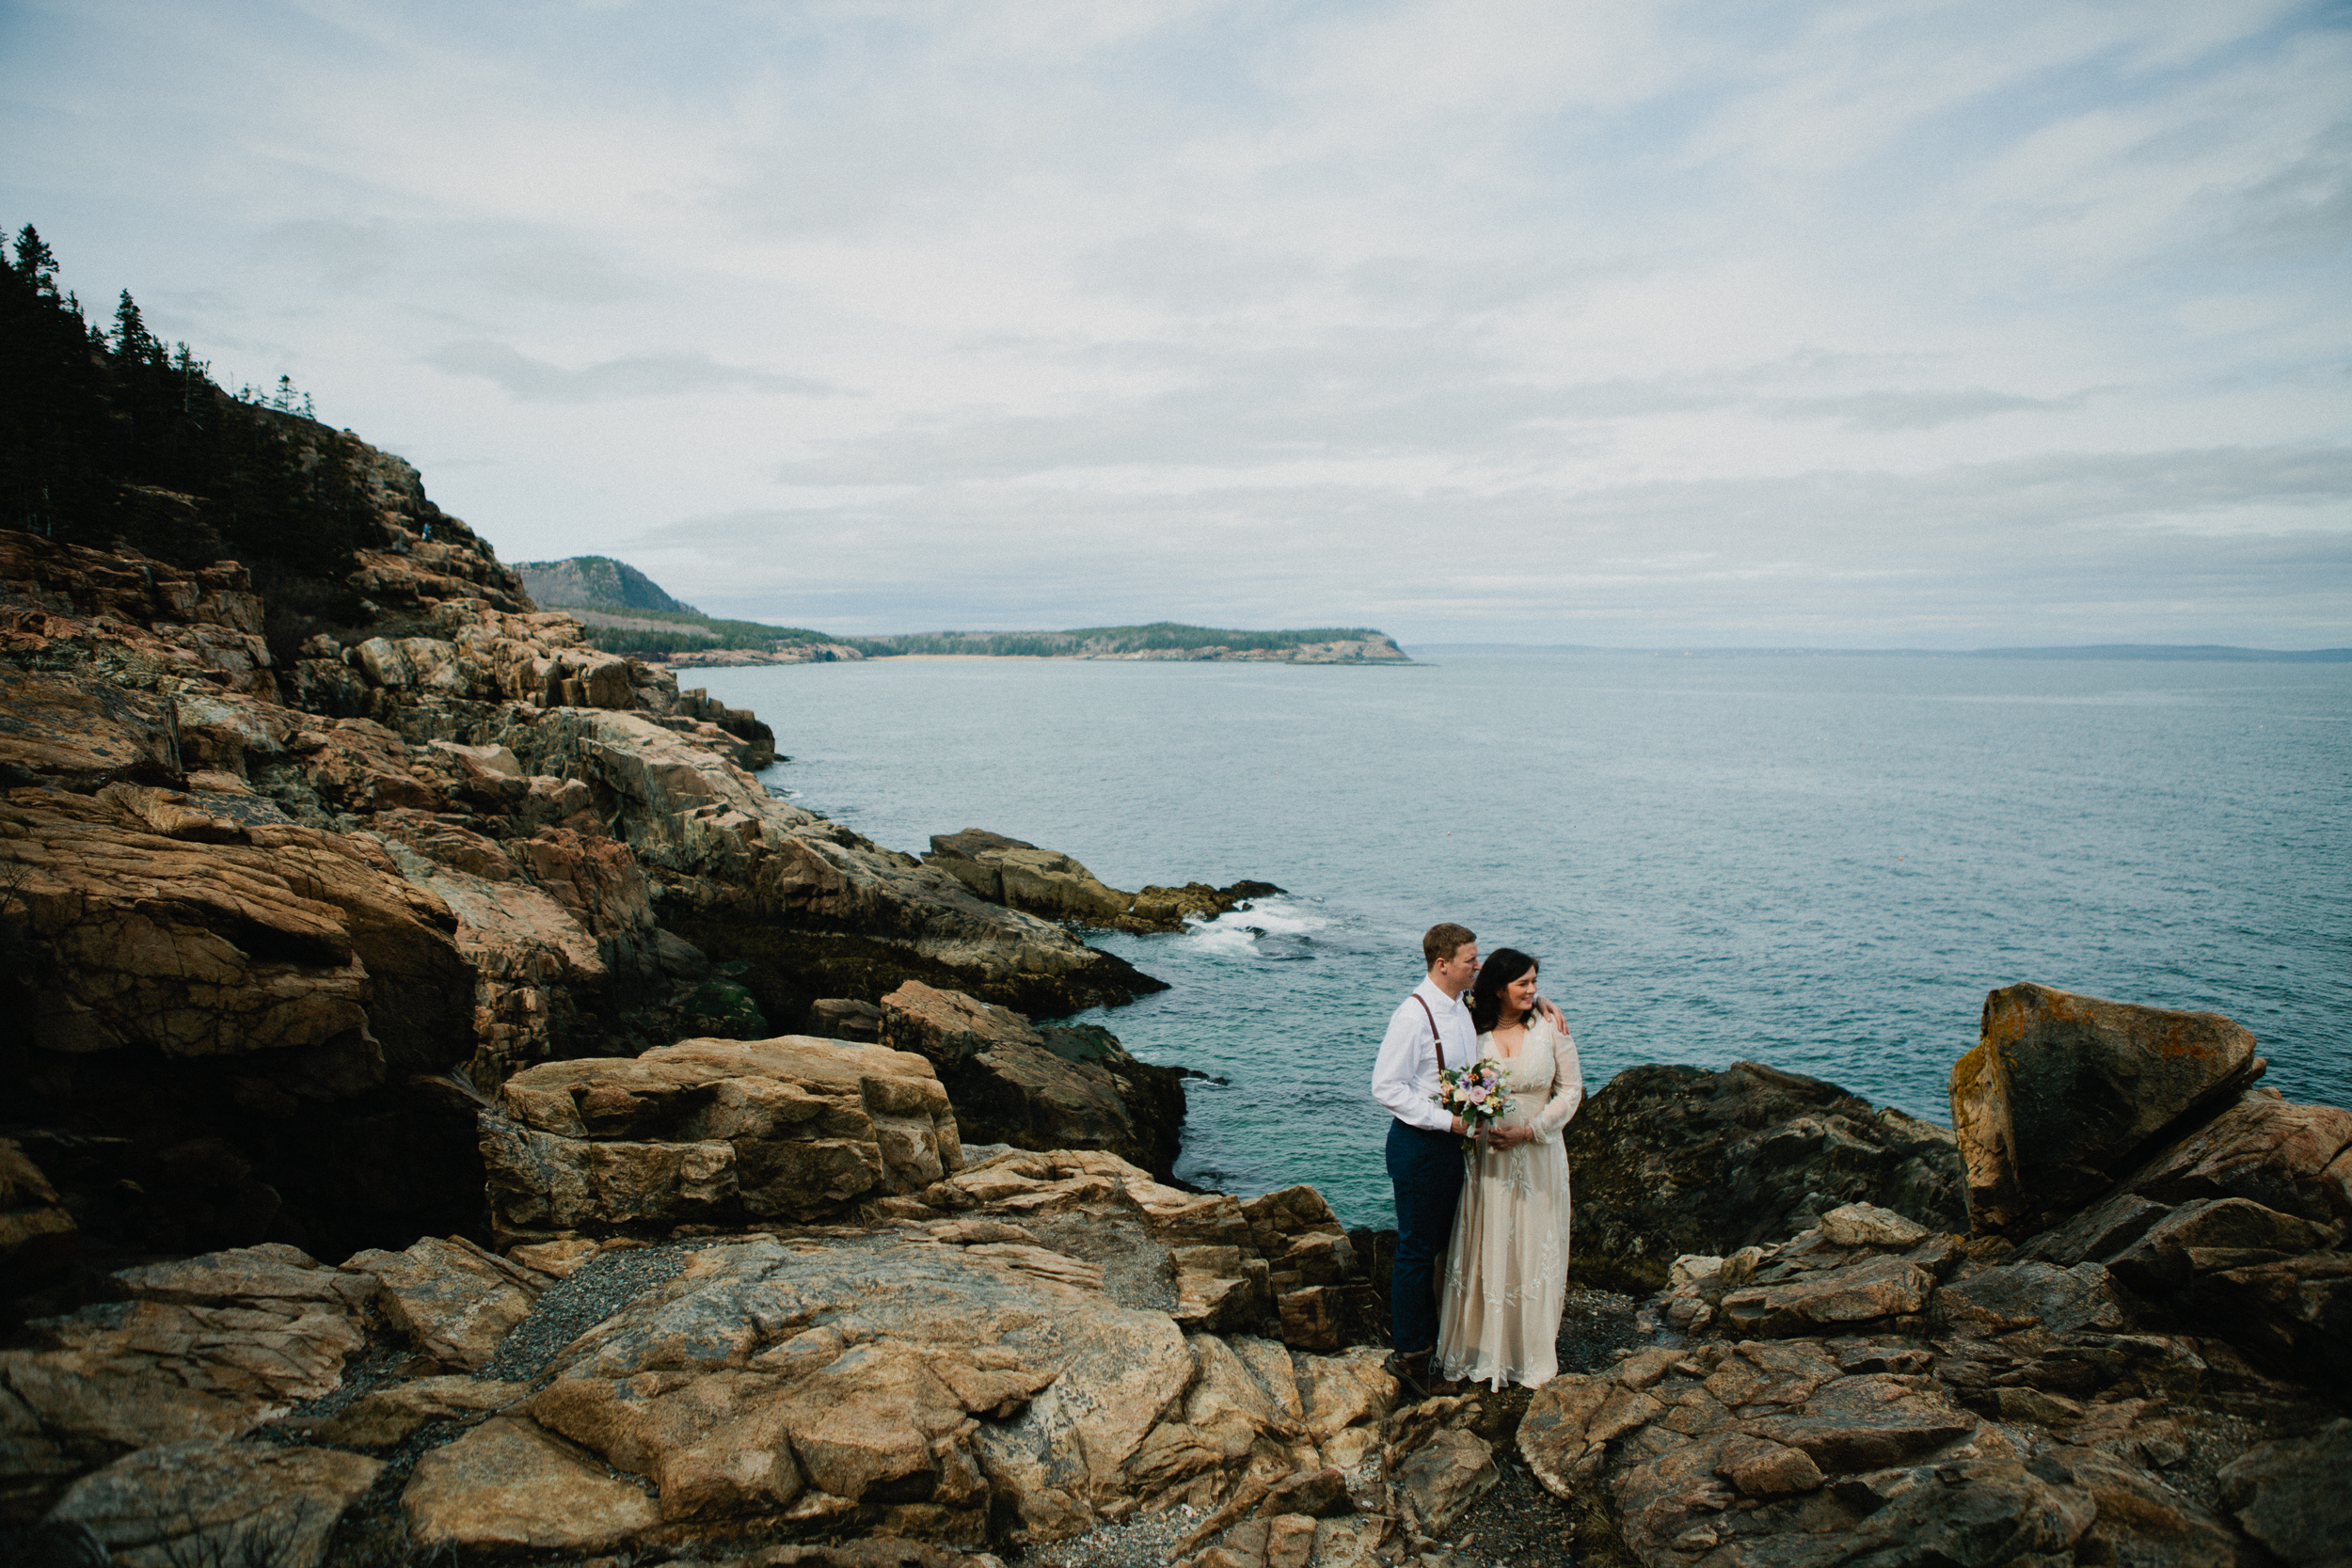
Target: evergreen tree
133, 344
35, 262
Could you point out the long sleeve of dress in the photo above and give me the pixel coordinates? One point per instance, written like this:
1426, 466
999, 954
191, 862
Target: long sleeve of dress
1568, 1085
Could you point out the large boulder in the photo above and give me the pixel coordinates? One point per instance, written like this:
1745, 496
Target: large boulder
454, 1301
2293, 1159
1043, 882
1010, 1085
2063, 1094
1676, 1160
712, 1133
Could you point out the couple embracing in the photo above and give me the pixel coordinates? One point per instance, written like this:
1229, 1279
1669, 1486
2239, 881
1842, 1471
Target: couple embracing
1481, 1210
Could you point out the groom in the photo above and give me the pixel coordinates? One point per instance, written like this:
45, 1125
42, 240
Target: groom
1431, 1029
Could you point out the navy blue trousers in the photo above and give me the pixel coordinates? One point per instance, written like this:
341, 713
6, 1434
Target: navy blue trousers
1426, 1169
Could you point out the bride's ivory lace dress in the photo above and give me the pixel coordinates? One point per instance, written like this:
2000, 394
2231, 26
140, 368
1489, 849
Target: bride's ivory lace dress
1506, 1274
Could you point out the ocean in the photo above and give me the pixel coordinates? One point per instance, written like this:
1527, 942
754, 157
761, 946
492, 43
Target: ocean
1817, 863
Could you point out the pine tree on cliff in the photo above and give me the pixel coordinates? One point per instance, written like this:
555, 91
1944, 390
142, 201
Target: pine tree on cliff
53, 404
135, 347
35, 262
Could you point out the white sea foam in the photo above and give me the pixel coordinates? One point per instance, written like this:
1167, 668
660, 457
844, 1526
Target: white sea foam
1238, 930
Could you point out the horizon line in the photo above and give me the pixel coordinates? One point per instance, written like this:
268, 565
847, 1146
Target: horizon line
2220, 652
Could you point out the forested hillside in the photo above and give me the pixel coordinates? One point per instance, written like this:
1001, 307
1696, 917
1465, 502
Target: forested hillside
108, 434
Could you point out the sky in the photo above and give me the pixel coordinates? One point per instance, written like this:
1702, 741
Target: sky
1852, 323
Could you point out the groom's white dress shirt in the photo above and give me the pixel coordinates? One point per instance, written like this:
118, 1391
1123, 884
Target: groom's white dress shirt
1405, 1078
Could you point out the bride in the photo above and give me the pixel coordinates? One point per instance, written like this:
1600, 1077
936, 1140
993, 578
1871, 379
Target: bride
1506, 1274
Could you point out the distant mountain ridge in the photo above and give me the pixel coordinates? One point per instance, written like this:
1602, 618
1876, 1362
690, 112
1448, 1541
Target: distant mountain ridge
597, 582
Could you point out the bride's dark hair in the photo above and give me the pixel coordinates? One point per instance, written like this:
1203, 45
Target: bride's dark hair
1502, 966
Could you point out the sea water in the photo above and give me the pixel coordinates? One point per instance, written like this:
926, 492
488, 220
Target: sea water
1821, 864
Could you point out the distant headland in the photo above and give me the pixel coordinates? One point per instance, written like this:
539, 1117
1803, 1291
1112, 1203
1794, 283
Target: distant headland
627, 613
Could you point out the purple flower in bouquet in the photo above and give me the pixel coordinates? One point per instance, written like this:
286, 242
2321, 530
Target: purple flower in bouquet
1479, 1094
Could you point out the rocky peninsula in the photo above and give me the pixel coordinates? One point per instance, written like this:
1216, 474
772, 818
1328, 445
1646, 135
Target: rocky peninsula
627, 613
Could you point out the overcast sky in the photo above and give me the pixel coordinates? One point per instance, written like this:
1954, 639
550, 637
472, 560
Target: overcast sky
1839, 325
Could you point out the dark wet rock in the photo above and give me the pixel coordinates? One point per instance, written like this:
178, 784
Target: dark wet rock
842, 1017
1675, 1159
2295, 1312
36, 1231
720, 1008
2065, 1094
2025, 1295
2289, 1495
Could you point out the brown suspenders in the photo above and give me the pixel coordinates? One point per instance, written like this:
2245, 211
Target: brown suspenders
1436, 1039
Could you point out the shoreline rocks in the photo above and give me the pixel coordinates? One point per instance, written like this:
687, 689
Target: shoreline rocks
712, 1134
1049, 883
2131, 1357
1676, 1160
2064, 1092
1048, 1090
1020, 1349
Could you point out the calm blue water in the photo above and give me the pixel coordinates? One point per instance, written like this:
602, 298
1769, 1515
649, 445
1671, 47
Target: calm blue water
1818, 864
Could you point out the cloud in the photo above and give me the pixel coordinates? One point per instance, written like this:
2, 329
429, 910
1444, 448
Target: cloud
343, 255
1774, 322
1911, 410
2256, 543
649, 375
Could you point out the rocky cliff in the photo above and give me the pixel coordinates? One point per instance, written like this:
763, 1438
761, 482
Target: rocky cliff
267, 883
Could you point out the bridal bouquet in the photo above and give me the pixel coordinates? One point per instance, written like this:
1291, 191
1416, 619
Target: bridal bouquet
1479, 1094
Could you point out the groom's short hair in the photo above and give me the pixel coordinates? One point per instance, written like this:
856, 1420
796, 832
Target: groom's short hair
1444, 940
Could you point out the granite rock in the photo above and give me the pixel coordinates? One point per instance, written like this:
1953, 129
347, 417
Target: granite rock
1008, 1085
1674, 1160
208, 1501
710, 1132
2065, 1094
1047, 882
